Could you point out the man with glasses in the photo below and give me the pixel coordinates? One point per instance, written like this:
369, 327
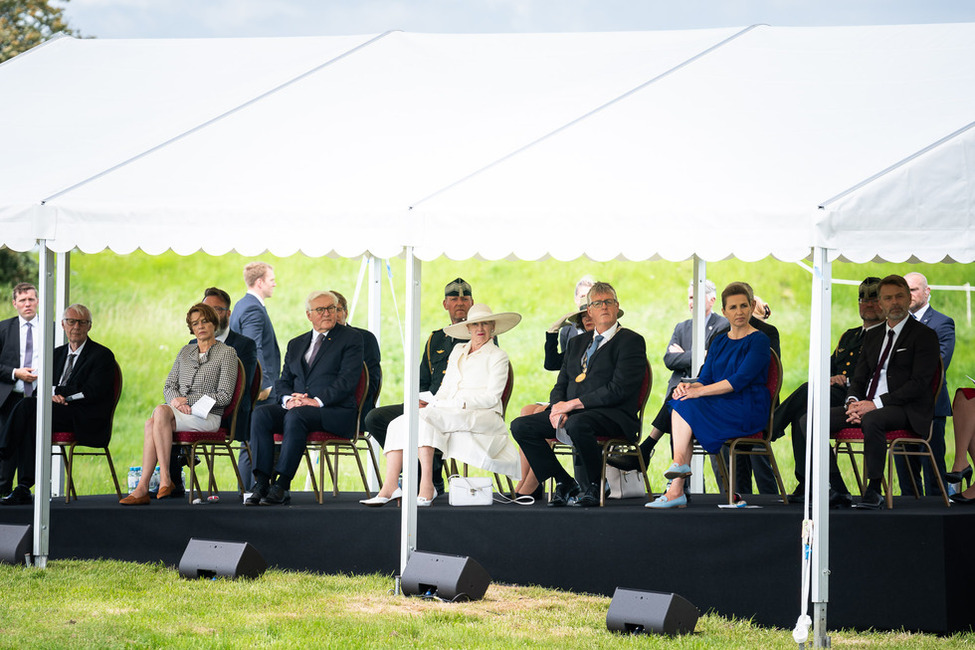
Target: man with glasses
597, 394
83, 399
792, 411
316, 392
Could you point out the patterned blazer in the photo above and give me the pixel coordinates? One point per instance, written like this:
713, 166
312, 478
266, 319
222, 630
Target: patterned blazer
215, 376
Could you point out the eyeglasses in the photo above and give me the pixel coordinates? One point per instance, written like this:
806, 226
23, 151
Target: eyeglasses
863, 300
321, 311
71, 322
215, 308
609, 302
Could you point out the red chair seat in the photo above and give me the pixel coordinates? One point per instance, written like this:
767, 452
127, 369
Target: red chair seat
63, 438
315, 436
189, 437
857, 434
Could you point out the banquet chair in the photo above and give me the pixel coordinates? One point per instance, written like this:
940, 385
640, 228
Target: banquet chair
900, 442
66, 442
212, 444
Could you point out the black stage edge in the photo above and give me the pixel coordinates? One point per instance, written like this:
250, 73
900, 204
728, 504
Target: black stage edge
909, 568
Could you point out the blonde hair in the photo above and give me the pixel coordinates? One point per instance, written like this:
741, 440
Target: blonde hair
255, 271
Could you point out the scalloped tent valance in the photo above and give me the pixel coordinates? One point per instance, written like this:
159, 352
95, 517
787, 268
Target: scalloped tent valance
715, 143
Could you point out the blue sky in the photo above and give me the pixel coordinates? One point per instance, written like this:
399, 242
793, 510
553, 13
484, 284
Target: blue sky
233, 18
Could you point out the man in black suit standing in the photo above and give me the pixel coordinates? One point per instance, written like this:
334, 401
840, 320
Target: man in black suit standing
596, 394
250, 319
20, 353
891, 387
83, 400
316, 391
944, 327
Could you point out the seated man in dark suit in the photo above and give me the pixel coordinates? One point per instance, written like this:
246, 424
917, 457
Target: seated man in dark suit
246, 351
596, 394
83, 398
842, 363
890, 389
370, 354
316, 391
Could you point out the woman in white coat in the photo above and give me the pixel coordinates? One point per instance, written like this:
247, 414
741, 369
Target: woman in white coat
463, 420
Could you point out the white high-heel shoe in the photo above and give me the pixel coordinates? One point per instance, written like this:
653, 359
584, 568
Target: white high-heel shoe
377, 500
422, 502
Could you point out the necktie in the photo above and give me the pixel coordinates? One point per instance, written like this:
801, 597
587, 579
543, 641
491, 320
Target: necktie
591, 350
68, 367
314, 348
29, 359
883, 359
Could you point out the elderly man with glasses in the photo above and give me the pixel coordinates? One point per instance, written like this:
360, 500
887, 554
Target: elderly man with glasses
83, 398
316, 391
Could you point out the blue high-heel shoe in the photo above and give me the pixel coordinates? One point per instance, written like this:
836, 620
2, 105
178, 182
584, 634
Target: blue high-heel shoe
963, 475
663, 502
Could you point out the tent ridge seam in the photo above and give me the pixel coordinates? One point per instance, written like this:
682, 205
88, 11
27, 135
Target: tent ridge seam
223, 115
590, 113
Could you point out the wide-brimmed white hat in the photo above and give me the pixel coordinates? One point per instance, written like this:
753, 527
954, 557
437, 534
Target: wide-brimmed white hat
573, 318
503, 321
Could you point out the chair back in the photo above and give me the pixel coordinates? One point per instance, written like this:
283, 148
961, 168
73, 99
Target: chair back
508, 387
774, 383
256, 383
117, 387
361, 393
646, 385
230, 412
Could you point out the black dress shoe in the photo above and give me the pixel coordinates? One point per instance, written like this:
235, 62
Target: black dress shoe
276, 496
962, 500
563, 492
21, 496
839, 499
260, 491
623, 463
871, 500
587, 499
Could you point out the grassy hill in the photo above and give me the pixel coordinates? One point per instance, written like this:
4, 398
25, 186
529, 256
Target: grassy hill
139, 302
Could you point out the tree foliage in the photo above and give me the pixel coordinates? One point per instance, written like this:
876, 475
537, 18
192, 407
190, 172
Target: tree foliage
26, 23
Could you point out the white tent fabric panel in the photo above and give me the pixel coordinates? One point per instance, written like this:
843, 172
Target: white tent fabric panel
737, 149
933, 198
74, 108
341, 153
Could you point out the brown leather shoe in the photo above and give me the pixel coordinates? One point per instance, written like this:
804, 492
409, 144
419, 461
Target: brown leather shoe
164, 491
135, 501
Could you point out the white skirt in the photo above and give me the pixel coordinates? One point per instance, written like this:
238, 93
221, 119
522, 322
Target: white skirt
190, 422
477, 437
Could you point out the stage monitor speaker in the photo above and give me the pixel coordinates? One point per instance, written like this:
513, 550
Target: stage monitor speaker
206, 558
16, 543
633, 611
444, 576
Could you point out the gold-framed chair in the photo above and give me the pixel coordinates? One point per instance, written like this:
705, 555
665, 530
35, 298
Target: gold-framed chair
849, 441
212, 444
67, 444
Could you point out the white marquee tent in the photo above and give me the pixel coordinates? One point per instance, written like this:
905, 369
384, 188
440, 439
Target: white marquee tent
846, 142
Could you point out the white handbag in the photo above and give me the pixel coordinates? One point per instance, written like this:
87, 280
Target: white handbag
624, 485
471, 490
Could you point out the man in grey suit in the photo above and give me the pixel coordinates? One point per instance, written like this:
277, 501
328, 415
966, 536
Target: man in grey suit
678, 359
944, 327
20, 353
250, 319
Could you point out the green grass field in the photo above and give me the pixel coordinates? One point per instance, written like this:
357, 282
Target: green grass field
139, 302
112, 604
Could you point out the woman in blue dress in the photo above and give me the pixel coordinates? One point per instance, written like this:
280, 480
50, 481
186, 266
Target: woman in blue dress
729, 398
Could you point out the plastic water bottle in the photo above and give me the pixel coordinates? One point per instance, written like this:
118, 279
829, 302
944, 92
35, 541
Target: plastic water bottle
154, 480
135, 473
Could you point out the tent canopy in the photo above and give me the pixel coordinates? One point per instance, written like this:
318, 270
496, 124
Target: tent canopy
741, 136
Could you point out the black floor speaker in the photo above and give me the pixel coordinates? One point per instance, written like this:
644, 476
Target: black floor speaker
650, 612
15, 543
206, 558
444, 576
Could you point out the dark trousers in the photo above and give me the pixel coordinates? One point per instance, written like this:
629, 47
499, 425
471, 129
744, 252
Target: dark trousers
916, 465
532, 433
295, 424
8, 465
18, 439
790, 412
875, 426
377, 422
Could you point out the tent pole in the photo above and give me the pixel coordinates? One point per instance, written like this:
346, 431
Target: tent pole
61, 301
374, 325
411, 404
42, 496
818, 439
697, 355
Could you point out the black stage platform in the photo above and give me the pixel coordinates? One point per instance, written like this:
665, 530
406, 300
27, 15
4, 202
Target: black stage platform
908, 568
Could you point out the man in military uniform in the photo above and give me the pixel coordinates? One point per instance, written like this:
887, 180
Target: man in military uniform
841, 363
458, 299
